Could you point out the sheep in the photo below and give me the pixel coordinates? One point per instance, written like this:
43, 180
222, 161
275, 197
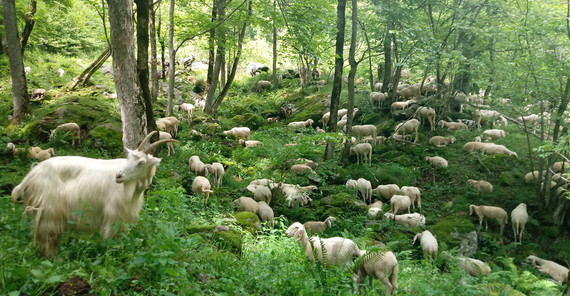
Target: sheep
452, 125
378, 86
71, 127
414, 194
262, 193
473, 146
173, 124
474, 267
428, 243
424, 113
320, 130
166, 136
408, 127
197, 166
371, 140
11, 149
266, 213
519, 217
293, 196
263, 84
102, 193
307, 162
556, 271
189, 108
318, 226
378, 97
40, 154
410, 92
365, 188
401, 137
387, 191
490, 148
364, 130
250, 143
436, 161
489, 116
468, 122
239, 132
532, 177
477, 139
338, 250
27, 70
291, 230
560, 166
399, 202
491, 213
411, 220
261, 182
247, 204
299, 169
401, 105
380, 265
310, 188
201, 185
439, 141
60, 72
481, 185
341, 124
217, 171
502, 121
376, 204
373, 212
38, 94
493, 134
363, 152
351, 185
301, 124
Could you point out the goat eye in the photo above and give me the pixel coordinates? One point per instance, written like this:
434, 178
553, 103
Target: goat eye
140, 163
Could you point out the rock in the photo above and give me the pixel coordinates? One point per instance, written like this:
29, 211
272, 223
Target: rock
468, 244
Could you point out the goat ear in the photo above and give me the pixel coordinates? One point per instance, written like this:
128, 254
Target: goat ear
155, 161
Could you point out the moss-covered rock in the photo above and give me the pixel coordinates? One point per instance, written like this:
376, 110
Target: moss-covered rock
505, 178
222, 237
444, 228
344, 201
248, 221
253, 121
106, 137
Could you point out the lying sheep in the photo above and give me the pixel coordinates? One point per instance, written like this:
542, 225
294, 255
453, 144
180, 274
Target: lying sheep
266, 213
473, 146
250, 143
474, 267
365, 188
72, 128
493, 134
519, 217
318, 226
300, 169
378, 97
360, 131
238, 132
408, 127
374, 141
301, 124
414, 194
481, 185
263, 84
217, 170
411, 220
380, 265
262, 193
556, 271
452, 125
490, 148
387, 191
197, 166
40, 154
428, 243
166, 136
373, 212
405, 138
439, 141
201, 185
399, 202
363, 152
436, 161
490, 212
247, 204
428, 113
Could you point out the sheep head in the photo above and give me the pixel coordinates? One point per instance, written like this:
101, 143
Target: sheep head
419, 235
293, 229
471, 207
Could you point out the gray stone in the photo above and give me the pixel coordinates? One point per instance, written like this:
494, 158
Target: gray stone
468, 245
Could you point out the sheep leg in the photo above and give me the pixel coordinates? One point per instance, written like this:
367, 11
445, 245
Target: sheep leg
521, 232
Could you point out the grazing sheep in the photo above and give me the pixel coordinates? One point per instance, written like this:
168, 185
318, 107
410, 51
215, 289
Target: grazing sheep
411, 220
481, 185
301, 124
436, 161
401, 105
380, 265
477, 139
250, 143
399, 202
171, 125
39, 154
371, 140
71, 127
101, 194
491, 213
197, 166
414, 194
373, 212
378, 97
341, 124
166, 136
201, 185
489, 116
300, 169
363, 152
217, 170
239, 132
263, 84
266, 213
560, 166
490, 148
387, 191
410, 92
473, 146
532, 177
452, 125
318, 226
246, 204
428, 243
292, 229
424, 113
378, 86
365, 188
519, 217
474, 267
189, 108
262, 193
351, 185
493, 134
556, 271
294, 195
439, 141
408, 127
364, 130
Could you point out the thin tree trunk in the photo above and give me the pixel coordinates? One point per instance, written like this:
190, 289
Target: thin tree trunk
388, 59
220, 52
351, 75
20, 96
85, 76
143, 12
337, 80
162, 46
371, 75
29, 25
153, 56
172, 66
212, 45
275, 81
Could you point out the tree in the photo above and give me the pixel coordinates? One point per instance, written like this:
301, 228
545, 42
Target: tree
351, 75
20, 96
143, 12
29, 25
172, 55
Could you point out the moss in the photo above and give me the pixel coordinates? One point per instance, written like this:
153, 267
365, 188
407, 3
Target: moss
311, 107
344, 201
248, 221
226, 240
505, 178
106, 137
444, 228
253, 121
551, 231
498, 162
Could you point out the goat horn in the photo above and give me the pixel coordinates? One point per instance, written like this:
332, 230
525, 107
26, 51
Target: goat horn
153, 145
145, 140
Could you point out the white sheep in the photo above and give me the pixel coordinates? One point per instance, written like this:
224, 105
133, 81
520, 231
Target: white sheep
239, 132
250, 143
380, 265
11, 149
360, 131
491, 148
263, 84
410, 92
452, 125
560, 166
411, 220
351, 185
266, 213
300, 169
481, 185
373, 212
365, 188
401, 137
27, 70
428, 243
171, 124
532, 177
408, 127
294, 195
378, 86
426, 113
201, 185
519, 217
318, 226
556, 271
72, 128
217, 170
262, 193
189, 108
247, 204
439, 141
40, 154
493, 134
363, 153
291, 230
301, 124
414, 194
401, 105
166, 136
473, 146
327, 116
387, 191
490, 212
341, 124
60, 72
489, 116
436, 161
197, 166
474, 267
371, 140
399, 202
101, 194
378, 97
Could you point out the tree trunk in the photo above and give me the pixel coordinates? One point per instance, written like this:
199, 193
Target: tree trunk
172, 66
20, 96
337, 80
125, 72
220, 53
143, 12
153, 56
275, 81
85, 76
371, 74
351, 75
162, 46
29, 25
212, 46
388, 58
